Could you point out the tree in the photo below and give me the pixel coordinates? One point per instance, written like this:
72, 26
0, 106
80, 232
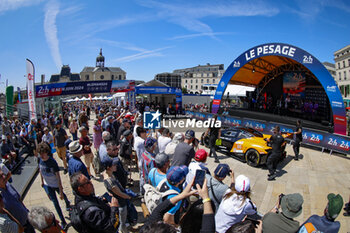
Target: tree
184, 90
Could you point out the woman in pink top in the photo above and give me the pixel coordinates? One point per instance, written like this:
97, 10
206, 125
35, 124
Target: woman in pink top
97, 136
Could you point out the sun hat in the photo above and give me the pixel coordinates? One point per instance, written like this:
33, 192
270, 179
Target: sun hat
242, 183
292, 205
75, 147
335, 205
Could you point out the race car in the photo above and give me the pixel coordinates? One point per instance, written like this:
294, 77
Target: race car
246, 144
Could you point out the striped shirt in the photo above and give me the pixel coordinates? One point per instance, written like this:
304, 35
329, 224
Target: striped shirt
7, 225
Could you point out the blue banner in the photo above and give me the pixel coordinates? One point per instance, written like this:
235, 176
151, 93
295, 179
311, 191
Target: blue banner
158, 90
310, 137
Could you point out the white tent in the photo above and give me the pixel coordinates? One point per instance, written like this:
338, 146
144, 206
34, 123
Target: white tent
76, 99
100, 98
84, 98
237, 90
95, 98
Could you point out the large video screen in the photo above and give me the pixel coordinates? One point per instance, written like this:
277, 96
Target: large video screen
294, 84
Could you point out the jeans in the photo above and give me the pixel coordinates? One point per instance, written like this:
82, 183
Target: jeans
123, 213
296, 147
75, 136
51, 192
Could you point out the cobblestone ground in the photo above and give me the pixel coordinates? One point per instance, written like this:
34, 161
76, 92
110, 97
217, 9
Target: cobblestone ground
314, 176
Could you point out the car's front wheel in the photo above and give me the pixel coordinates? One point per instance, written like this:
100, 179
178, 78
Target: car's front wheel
252, 157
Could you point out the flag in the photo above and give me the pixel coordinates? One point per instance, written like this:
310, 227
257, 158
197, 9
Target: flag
19, 94
30, 89
90, 97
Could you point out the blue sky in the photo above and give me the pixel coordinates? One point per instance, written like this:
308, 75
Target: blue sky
146, 37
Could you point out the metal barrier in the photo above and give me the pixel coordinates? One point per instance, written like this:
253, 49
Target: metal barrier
322, 140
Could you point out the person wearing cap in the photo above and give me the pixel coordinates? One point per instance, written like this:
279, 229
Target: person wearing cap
327, 223
198, 164
277, 142
235, 205
148, 157
114, 187
8, 224
51, 180
158, 173
125, 126
98, 216
73, 129
291, 206
184, 151
170, 148
59, 137
175, 177
47, 137
75, 163
216, 187
109, 126
214, 133
125, 151
112, 154
84, 140
164, 140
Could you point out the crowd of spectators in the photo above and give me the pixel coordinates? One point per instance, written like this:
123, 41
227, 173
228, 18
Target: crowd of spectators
166, 164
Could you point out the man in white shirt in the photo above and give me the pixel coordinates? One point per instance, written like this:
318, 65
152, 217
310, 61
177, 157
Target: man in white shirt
164, 140
138, 123
139, 147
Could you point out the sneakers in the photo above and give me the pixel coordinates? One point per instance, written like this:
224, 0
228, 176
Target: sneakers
296, 158
271, 177
217, 161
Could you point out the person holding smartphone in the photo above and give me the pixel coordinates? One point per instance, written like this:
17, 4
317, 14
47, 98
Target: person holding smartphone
114, 187
236, 204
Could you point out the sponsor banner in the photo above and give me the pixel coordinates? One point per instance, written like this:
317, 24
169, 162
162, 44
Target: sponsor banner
77, 88
299, 55
312, 137
30, 88
158, 90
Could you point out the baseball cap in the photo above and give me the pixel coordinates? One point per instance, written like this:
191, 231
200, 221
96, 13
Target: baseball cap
58, 122
150, 142
242, 183
161, 159
176, 173
110, 118
126, 120
292, 205
335, 204
222, 170
201, 155
108, 162
178, 137
127, 133
189, 134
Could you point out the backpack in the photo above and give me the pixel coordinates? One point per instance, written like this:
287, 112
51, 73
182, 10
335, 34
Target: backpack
98, 167
153, 197
75, 216
148, 164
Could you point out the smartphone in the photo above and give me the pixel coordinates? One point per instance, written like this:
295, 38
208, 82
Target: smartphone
199, 178
107, 196
4, 169
280, 198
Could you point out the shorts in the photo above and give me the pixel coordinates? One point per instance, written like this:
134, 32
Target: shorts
88, 159
61, 152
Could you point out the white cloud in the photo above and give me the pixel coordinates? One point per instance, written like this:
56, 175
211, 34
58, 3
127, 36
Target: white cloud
7, 5
142, 55
50, 28
190, 36
191, 15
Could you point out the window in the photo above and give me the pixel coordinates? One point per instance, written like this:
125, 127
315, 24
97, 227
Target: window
102, 77
207, 80
191, 87
338, 65
343, 64
344, 75
196, 86
196, 80
348, 62
120, 77
213, 80
339, 74
87, 77
202, 80
186, 81
191, 80
112, 77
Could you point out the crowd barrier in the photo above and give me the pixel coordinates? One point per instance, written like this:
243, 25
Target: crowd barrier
311, 137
